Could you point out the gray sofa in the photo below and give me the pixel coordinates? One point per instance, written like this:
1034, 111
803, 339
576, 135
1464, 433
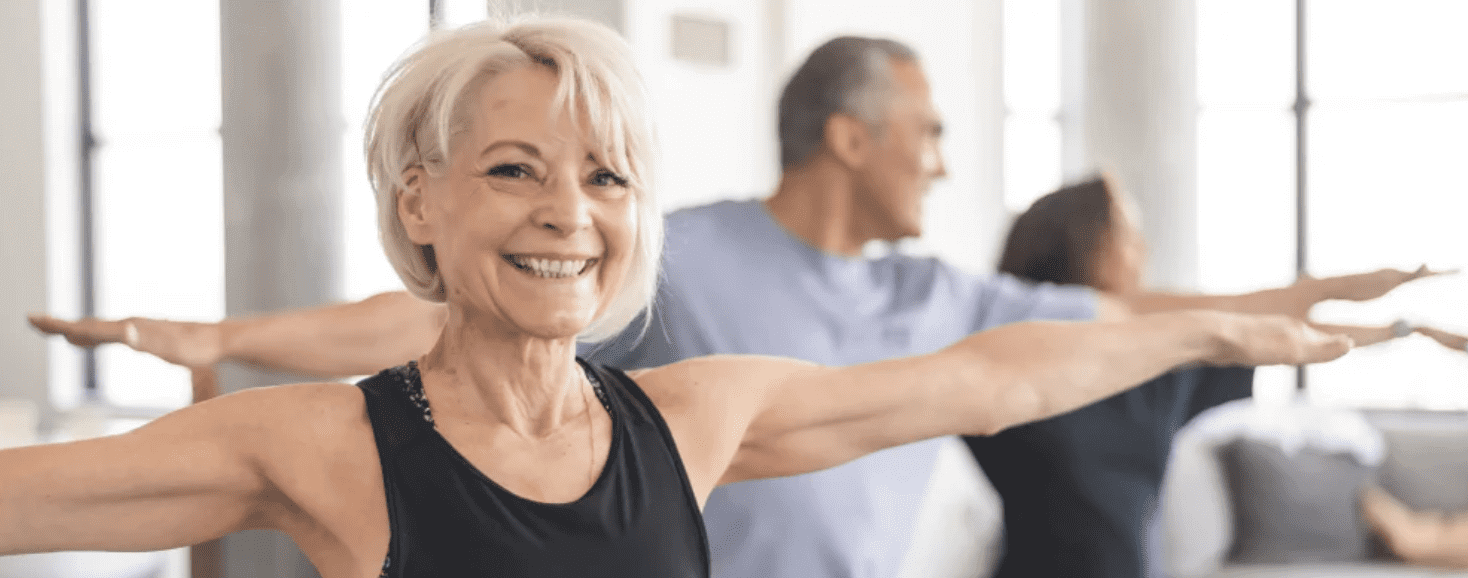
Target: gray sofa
1273, 492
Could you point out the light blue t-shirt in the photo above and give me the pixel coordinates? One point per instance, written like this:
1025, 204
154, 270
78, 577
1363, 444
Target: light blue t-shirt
735, 281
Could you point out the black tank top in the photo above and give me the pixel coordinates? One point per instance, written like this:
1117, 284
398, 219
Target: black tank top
448, 519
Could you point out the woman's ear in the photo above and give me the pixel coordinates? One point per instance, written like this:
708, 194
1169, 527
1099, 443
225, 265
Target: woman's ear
848, 138
411, 207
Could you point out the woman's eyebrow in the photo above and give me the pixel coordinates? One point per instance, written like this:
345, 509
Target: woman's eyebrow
529, 149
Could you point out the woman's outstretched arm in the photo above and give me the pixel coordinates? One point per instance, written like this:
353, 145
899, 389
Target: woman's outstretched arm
187, 477
1294, 300
332, 341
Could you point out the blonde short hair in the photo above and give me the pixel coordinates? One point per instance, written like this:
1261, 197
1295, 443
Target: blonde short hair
427, 100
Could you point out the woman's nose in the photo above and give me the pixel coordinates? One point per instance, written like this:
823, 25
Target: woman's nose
564, 208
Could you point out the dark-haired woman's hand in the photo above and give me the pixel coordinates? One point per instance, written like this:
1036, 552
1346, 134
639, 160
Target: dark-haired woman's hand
1449, 340
1368, 286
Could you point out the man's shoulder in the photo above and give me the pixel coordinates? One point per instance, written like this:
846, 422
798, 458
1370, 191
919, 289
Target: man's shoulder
712, 219
1006, 298
713, 213
721, 232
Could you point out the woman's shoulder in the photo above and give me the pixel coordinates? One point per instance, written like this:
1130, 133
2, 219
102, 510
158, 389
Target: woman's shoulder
303, 418
714, 383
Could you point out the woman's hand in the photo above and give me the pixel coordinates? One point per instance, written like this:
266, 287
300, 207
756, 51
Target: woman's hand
193, 345
1449, 340
1368, 286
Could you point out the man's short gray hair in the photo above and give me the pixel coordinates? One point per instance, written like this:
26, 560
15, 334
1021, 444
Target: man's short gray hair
848, 75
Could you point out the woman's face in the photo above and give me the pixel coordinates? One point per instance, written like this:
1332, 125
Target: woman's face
529, 227
1124, 253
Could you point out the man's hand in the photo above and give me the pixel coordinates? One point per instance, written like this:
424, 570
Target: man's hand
1275, 340
193, 345
1368, 286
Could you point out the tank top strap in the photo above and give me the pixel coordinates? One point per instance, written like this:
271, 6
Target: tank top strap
619, 394
396, 407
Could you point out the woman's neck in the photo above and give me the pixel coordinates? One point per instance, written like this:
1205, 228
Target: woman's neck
479, 370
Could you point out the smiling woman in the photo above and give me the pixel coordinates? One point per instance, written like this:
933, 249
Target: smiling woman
585, 85
511, 170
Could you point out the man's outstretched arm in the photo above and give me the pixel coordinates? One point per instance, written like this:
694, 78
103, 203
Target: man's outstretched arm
335, 340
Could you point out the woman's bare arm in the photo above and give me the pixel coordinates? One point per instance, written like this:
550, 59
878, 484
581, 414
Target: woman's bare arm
332, 341
765, 416
190, 476
1294, 300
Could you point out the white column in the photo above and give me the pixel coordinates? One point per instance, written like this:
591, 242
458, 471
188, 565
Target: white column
1140, 120
282, 126
987, 157
22, 228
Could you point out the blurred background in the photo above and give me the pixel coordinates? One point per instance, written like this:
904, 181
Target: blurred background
190, 159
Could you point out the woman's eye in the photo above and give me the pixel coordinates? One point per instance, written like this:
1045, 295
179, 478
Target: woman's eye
509, 171
605, 178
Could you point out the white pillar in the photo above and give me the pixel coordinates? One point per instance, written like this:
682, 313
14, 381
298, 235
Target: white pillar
282, 127
22, 223
992, 217
1140, 120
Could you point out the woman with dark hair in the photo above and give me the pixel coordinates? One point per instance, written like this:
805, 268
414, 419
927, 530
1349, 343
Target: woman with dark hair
1089, 233
1079, 488
1059, 238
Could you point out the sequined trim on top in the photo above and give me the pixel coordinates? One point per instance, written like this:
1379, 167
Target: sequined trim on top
412, 383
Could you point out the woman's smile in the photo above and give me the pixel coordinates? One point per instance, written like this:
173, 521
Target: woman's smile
552, 267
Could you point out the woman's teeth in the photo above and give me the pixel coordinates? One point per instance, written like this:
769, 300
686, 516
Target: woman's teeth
550, 268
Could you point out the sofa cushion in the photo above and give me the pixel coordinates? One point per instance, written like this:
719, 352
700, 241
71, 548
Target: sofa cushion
1299, 508
1426, 463
1336, 570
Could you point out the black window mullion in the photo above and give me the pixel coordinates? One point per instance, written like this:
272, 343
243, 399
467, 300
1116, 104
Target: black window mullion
87, 142
1301, 110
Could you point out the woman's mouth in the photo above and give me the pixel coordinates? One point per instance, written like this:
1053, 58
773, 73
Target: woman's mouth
550, 268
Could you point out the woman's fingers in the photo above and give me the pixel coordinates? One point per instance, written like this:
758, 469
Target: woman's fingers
87, 332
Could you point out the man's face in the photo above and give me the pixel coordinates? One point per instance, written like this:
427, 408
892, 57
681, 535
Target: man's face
906, 158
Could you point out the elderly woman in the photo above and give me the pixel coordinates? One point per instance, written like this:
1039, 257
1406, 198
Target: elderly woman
1084, 483
511, 166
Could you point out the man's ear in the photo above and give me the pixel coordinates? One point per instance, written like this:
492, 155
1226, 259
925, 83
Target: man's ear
849, 139
411, 209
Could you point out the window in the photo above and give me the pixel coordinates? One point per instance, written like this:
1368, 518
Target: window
1386, 135
1246, 152
374, 34
156, 182
1366, 136
153, 173
1032, 100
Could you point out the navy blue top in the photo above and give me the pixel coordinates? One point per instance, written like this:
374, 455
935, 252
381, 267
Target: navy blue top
640, 517
1078, 488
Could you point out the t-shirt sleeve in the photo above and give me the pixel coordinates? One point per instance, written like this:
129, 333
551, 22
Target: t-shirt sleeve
643, 343
1006, 299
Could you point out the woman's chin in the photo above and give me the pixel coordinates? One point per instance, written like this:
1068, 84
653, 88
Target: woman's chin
556, 327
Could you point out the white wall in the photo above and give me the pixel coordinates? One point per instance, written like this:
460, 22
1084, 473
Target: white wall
716, 124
